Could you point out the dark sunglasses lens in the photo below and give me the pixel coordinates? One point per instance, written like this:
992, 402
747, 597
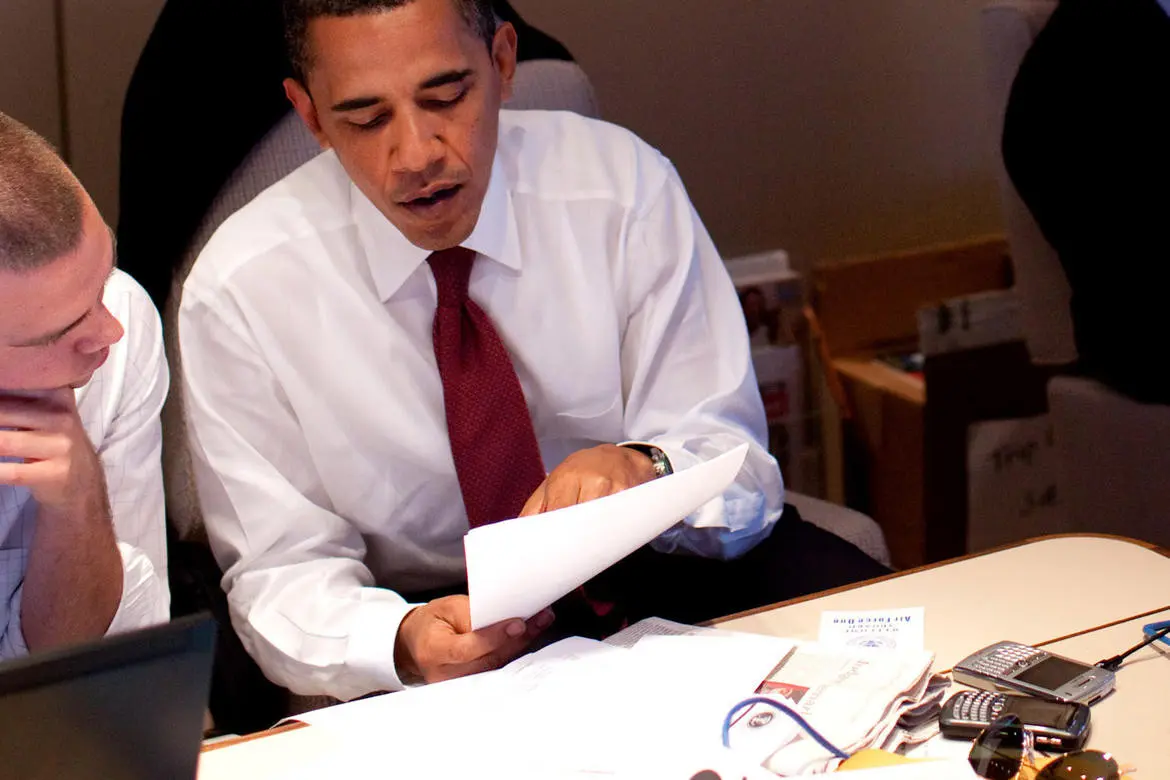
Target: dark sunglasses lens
997, 753
1084, 765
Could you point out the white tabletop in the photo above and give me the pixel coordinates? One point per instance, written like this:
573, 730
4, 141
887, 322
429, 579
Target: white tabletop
1131, 722
1032, 593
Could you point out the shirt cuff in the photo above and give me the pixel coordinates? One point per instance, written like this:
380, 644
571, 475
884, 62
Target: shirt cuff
681, 460
725, 527
370, 651
146, 601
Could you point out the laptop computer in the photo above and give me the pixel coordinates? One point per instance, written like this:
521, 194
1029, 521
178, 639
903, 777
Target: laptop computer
126, 707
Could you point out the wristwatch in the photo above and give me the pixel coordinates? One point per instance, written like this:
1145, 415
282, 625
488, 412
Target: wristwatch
657, 457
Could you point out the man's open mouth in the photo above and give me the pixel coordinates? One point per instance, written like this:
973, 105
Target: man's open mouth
438, 196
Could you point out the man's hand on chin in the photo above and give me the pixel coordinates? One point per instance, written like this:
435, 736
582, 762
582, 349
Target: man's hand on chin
55, 459
588, 474
435, 641
73, 580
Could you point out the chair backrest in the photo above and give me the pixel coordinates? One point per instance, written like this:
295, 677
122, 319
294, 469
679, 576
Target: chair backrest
1008, 29
539, 84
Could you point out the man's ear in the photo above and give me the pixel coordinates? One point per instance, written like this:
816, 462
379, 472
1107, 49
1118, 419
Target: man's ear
303, 104
504, 57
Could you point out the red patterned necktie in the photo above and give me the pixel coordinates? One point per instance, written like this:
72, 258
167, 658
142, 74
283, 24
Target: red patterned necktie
497, 459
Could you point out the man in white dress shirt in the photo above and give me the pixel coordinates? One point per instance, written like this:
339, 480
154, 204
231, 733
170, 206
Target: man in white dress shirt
325, 454
82, 380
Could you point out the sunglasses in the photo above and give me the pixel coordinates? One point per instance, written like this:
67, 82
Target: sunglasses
1005, 746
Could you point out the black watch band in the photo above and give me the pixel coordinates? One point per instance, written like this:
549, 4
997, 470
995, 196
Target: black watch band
657, 458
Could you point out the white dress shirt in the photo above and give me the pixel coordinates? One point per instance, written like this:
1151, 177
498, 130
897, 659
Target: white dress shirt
315, 406
119, 408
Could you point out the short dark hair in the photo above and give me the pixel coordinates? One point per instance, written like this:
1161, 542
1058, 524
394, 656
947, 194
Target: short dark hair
478, 14
41, 207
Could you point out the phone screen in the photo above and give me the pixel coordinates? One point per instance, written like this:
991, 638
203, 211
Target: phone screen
1051, 673
1039, 712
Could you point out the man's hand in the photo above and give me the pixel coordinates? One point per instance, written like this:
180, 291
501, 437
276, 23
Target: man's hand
73, 581
60, 467
435, 641
588, 474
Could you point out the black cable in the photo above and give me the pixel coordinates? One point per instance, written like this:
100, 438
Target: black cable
1114, 663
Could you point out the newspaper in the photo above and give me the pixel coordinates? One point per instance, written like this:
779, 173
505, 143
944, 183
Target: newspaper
856, 697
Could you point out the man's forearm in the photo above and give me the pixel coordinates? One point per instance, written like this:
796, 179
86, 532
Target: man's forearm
73, 582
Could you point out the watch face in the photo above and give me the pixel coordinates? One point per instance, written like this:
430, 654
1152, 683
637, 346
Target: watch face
661, 462
657, 457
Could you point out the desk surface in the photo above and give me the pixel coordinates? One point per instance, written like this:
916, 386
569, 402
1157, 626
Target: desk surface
1031, 593
1131, 722
1035, 592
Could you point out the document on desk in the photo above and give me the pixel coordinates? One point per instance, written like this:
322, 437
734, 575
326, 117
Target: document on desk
577, 708
518, 567
885, 629
645, 708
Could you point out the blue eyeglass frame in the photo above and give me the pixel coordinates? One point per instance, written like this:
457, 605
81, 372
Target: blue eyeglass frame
1152, 628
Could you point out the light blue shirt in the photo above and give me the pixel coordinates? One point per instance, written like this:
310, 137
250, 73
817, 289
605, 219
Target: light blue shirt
1165, 6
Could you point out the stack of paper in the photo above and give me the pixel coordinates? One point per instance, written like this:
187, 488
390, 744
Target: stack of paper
578, 707
648, 703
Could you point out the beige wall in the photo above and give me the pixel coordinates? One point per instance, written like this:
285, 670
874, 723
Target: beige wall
827, 127
28, 80
102, 41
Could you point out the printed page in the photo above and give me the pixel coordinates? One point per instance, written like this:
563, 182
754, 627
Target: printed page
884, 629
518, 567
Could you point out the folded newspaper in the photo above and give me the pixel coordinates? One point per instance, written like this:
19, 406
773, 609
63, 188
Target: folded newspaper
856, 697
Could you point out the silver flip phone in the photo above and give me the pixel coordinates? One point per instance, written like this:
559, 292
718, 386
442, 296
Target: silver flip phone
1010, 667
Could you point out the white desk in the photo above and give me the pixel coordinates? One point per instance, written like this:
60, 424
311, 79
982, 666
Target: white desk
1131, 722
1031, 593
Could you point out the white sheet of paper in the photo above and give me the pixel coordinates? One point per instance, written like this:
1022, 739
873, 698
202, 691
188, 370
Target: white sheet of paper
887, 629
518, 567
680, 689
577, 708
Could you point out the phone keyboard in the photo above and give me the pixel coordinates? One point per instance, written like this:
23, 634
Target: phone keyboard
1006, 658
982, 707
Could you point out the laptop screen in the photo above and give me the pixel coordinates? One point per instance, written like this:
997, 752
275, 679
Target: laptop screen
127, 707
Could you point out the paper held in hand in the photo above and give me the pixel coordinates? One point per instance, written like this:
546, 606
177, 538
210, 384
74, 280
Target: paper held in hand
516, 568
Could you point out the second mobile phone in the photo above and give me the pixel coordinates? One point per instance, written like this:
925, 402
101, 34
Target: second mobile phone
1055, 725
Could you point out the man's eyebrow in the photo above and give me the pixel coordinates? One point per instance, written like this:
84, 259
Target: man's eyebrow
355, 104
51, 337
448, 77
434, 82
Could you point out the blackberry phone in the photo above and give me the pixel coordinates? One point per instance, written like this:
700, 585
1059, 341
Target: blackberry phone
1010, 667
1055, 725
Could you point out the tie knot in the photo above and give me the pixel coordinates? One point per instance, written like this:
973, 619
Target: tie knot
452, 270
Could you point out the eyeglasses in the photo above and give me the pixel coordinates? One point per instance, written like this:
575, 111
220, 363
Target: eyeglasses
1005, 746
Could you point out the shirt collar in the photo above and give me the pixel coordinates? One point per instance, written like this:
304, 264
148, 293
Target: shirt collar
393, 259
